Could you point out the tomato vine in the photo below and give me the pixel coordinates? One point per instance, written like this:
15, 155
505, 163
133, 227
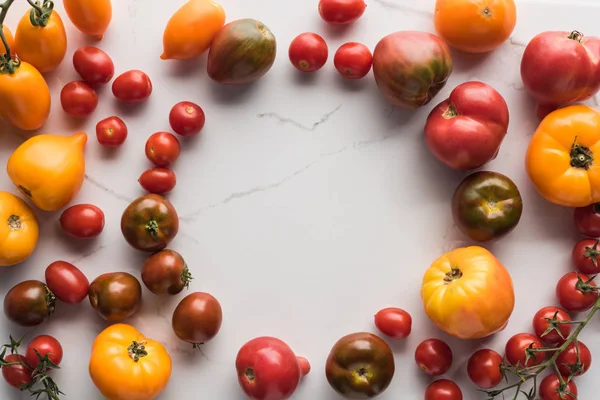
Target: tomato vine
40, 12
8, 63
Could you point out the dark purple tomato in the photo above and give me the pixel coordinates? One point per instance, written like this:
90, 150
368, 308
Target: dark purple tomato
115, 295
166, 272
197, 318
29, 303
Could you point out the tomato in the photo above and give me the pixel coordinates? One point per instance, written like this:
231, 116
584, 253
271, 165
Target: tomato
78, 99
126, 365
10, 40
587, 220
187, 118
91, 17
42, 346
150, 223
111, 131
158, 180
551, 389
570, 363
434, 357
29, 303
115, 295
166, 272
17, 375
19, 231
308, 52
162, 149
197, 318
67, 282
93, 65
585, 256
341, 11
549, 318
517, 350
132, 86
82, 221
485, 368
456, 289
575, 292
394, 322
475, 26
443, 389
353, 60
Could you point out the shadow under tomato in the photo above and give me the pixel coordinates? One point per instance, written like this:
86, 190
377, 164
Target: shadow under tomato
131, 109
232, 94
333, 31
352, 85
193, 68
303, 78
462, 61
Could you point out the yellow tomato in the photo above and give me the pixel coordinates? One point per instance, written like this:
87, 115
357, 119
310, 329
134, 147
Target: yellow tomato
125, 365
468, 293
49, 169
10, 40
19, 230
91, 17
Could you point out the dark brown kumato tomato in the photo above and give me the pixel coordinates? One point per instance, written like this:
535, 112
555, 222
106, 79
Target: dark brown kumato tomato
166, 272
150, 223
115, 295
29, 303
197, 318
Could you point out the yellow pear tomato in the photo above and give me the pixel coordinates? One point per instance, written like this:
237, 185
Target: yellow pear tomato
19, 230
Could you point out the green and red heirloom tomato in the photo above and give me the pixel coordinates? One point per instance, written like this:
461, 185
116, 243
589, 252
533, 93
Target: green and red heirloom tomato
360, 366
434, 357
242, 52
485, 368
585, 256
197, 318
486, 205
29, 303
67, 282
443, 389
411, 67
150, 223
552, 389
166, 272
587, 220
115, 295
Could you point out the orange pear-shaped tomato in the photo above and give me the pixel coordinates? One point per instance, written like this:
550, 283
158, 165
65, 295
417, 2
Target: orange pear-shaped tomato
191, 30
91, 17
10, 40
49, 169
19, 230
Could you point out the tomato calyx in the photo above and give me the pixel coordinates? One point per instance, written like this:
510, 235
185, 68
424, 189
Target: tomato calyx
40, 12
454, 275
577, 368
450, 112
137, 350
50, 300
554, 325
14, 223
153, 228
186, 277
586, 286
362, 374
581, 156
592, 252
576, 35
249, 374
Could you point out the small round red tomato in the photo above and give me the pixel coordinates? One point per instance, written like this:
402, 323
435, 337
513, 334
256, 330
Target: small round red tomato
67, 282
485, 368
353, 60
41, 346
132, 86
82, 221
111, 131
341, 11
163, 149
158, 180
394, 322
576, 292
187, 118
569, 364
585, 256
587, 220
547, 325
550, 389
308, 52
78, 99
434, 357
518, 347
93, 65
443, 389
16, 375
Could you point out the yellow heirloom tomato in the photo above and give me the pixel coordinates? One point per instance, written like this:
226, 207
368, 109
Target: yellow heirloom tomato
19, 230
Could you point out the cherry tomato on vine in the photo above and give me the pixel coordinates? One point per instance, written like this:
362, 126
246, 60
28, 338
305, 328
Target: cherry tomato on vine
162, 149
587, 220
353, 60
517, 348
158, 180
187, 118
78, 99
132, 86
559, 332
67, 282
485, 368
93, 65
308, 52
394, 322
16, 375
111, 131
576, 292
443, 389
434, 357
82, 221
585, 256
341, 11
44, 345
568, 362
550, 389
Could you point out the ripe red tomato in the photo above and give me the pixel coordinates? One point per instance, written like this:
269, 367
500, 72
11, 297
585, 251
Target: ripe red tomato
111, 131
158, 180
44, 345
434, 357
308, 52
587, 220
443, 389
394, 322
82, 221
93, 65
550, 389
16, 375
541, 325
162, 149
585, 256
78, 99
484, 368
516, 350
353, 60
574, 292
67, 282
569, 364
341, 11
187, 118
132, 86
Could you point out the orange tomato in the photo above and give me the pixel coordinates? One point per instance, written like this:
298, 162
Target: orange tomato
19, 230
475, 26
125, 365
9, 39
468, 293
562, 157
91, 17
191, 30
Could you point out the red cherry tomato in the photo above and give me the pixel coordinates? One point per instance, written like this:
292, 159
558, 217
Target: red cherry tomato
78, 99
587, 220
158, 180
434, 357
571, 365
550, 389
484, 368
443, 389
341, 11
187, 118
575, 292
162, 149
93, 65
16, 375
82, 221
517, 348
586, 256
132, 86
111, 131
394, 322
67, 282
308, 52
559, 333
353, 60
45, 345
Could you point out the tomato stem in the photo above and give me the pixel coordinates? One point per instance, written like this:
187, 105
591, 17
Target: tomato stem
454, 275
450, 112
576, 35
7, 63
186, 277
592, 252
581, 156
152, 228
137, 350
40, 13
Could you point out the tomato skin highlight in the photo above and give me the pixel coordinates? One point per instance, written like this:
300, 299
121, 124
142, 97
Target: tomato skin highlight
540, 325
587, 220
82, 221
93, 65
16, 375
353, 60
443, 389
111, 132
308, 52
78, 99
515, 351
568, 363
340, 12
45, 345
550, 385
163, 149
132, 86
158, 180
434, 357
485, 368
187, 118
67, 282
570, 297
394, 322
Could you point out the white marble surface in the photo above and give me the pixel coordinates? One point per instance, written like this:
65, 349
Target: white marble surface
307, 203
